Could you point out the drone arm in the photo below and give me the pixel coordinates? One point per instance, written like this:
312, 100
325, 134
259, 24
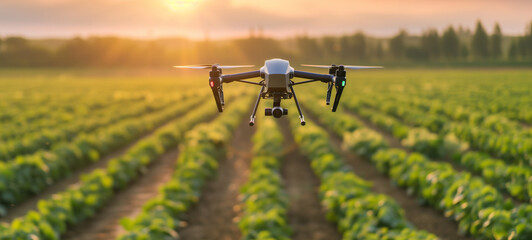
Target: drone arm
239, 76
249, 82
303, 82
314, 76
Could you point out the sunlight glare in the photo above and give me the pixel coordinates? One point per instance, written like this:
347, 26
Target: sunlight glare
182, 5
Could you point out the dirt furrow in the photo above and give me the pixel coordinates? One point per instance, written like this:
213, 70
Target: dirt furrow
305, 214
394, 142
215, 215
126, 203
422, 217
24, 207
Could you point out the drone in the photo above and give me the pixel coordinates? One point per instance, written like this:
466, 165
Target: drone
277, 84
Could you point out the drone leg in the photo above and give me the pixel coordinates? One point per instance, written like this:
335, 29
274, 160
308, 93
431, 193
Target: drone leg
301, 118
252, 120
222, 96
329, 89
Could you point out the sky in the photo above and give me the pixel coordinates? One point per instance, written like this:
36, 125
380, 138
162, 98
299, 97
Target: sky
218, 19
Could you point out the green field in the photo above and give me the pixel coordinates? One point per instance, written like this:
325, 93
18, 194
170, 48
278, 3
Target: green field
144, 154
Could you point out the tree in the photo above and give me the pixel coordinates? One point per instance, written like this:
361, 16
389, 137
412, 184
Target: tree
479, 43
430, 44
379, 52
464, 51
522, 47
513, 51
524, 43
76, 52
256, 50
308, 48
527, 41
359, 46
496, 42
345, 47
415, 53
397, 45
18, 52
450, 44
330, 46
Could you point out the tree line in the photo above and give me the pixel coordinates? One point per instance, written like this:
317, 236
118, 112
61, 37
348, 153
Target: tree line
451, 45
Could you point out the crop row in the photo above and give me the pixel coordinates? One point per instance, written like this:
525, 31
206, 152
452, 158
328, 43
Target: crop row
457, 112
515, 180
478, 207
507, 97
493, 118
50, 138
417, 139
30, 108
29, 175
265, 202
82, 200
160, 216
485, 133
338, 123
37, 109
348, 200
55, 118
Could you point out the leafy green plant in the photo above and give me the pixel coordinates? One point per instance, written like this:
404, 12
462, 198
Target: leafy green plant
463, 198
197, 161
49, 139
26, 176
264, 201
460, 196
82, 200
347, 199
513, 179
364, 142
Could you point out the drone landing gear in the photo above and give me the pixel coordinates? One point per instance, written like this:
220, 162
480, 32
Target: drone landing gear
329, 90
252, 120
301, 118
276, 111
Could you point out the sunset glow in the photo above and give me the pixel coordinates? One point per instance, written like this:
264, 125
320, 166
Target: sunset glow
183, 5
229, 18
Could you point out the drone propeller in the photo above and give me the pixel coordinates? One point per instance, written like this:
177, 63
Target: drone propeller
339, 73
345, 66
208, 66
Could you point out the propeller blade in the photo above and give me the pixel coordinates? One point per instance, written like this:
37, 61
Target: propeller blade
193, 67
317, 66
207, 66
361, 67
345, 66
236, 66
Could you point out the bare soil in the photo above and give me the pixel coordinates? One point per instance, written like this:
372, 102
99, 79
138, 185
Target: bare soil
126, 203
395, 143
392, 141
216, 214
19, 210
305, 214
422, 217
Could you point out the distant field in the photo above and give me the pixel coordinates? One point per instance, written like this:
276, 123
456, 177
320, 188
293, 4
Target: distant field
144, 154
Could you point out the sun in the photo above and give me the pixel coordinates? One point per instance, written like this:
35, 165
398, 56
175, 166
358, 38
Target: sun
182, 5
